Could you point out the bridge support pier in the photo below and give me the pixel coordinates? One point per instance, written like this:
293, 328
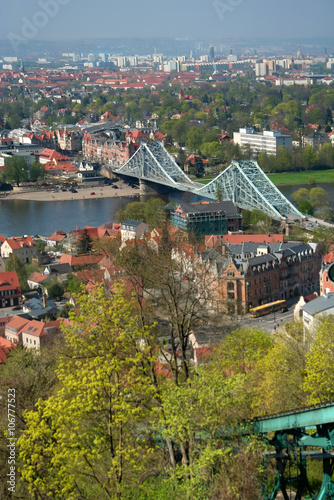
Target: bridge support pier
145, 187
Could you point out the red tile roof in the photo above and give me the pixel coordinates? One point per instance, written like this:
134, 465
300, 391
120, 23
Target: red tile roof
57, 236
5, 347
17, 243
238, 239
9, 281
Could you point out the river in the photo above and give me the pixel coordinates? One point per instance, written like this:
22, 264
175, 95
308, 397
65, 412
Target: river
19, 217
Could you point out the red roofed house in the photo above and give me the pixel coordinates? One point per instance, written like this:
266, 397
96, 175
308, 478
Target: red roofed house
194, 161
14, 327
80, 261
32, 334
238, 239
36, 280
56, 238
36, 334
10, 290
51, 155
24, 248
5, 347
136, 136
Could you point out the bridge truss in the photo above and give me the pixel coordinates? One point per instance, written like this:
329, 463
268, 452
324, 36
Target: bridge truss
243, 182
298, 437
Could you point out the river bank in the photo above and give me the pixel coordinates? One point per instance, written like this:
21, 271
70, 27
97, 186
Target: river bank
82, 193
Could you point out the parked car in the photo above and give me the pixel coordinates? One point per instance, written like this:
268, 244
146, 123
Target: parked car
114, 187
73, 190
92, 193
304, 219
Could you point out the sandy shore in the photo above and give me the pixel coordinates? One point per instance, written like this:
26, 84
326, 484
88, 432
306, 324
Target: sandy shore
100, 192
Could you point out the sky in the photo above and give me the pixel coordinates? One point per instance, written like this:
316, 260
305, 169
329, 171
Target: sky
82, 19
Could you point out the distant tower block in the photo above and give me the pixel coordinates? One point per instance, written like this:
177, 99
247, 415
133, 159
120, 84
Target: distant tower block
211, 53
299, 53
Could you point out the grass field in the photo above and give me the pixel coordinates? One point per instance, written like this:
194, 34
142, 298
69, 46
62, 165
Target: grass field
318, 176
292, 178
205, 181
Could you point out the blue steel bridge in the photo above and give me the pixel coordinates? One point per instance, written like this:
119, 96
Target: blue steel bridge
243, 182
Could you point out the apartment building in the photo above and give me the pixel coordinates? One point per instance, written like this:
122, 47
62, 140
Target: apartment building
267, 141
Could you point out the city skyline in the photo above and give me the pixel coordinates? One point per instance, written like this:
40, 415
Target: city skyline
61, 20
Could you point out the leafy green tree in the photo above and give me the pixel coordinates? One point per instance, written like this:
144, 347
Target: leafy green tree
73, 285
55, 289
16, 170
133, 211
13, 263
154, 212
326, 156
319, 381
280, 374
36, 172
310, 157
318, 197
306, 208
194, 139
302, 194
85, 243
90, 437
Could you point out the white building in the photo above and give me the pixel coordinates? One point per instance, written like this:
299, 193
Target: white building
267, 141
132, 229
261, 69
316, 309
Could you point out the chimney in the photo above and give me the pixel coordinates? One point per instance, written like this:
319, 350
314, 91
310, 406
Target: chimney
45, 300
223, 251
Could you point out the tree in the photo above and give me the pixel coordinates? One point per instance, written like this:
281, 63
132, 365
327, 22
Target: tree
279, 375
306, 208
16, 170
85, 243
36, 172
55, 289
13, 263
194, 139
310, 157
133, 211
154, 212
319, 381
319, 197
219, 193
90, 436
302, 194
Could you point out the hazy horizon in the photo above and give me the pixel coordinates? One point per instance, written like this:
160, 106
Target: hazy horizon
75, 20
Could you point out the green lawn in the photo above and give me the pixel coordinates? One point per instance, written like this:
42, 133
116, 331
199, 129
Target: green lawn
302, 177
206, 180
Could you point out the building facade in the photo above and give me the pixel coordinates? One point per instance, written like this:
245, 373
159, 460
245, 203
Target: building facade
266, 142
244, 278
207, 218
24, 248
10, 290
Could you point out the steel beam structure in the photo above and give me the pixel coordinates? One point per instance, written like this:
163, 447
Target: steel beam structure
243, 182
292, 434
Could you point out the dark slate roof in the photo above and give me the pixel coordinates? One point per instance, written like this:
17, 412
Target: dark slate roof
261, 259
133, 223
320, 304
225, 207
59, 268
